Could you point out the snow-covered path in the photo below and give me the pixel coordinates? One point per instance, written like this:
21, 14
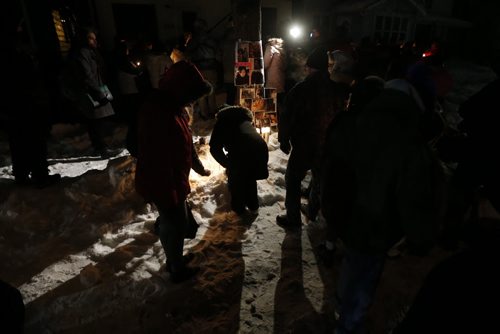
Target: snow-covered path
83, 255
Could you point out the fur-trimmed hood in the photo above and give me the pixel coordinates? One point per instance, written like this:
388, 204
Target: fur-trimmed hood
234, 114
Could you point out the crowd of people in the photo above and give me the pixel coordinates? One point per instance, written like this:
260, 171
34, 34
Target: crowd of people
375, 142
371, 136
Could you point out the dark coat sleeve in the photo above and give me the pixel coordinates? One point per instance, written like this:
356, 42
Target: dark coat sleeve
91, 73
287, 116
217, 145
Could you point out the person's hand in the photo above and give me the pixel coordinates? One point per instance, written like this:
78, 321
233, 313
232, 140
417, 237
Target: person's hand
285, 147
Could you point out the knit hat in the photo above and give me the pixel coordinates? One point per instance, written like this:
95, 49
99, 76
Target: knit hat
185, 82
342, 62
318, 59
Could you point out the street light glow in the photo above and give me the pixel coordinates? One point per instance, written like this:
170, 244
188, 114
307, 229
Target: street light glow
296, 31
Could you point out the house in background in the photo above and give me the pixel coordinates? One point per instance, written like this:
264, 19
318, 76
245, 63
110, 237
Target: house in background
391, 21
53, 21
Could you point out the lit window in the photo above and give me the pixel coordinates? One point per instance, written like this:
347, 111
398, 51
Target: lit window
390, 29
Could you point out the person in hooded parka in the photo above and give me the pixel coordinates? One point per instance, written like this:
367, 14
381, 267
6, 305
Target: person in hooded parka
246, 158
165, 157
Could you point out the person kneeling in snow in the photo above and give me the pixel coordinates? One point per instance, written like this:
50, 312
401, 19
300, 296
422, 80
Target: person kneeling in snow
165, 158
246, 158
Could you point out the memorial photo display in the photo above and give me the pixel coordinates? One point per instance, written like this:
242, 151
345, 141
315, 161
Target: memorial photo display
248, 69
262, 102
249, 79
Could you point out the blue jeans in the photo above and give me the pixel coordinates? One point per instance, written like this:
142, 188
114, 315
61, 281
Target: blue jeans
359, 277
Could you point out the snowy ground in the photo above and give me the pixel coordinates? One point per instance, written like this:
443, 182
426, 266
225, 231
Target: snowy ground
85, 260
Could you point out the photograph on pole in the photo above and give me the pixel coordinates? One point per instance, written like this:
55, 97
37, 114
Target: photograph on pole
249, 63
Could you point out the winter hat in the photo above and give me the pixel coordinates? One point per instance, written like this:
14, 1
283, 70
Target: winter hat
185, 82
343, 62
234, 114
318, 59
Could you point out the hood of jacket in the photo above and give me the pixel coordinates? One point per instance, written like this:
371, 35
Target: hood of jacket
234, 114
184, 83
407, 88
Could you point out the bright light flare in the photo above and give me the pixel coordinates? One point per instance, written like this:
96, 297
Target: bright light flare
296, 31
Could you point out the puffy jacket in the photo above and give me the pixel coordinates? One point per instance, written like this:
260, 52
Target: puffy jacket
381, 182
247, 152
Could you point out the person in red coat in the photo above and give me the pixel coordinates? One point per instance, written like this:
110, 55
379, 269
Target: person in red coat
165, 157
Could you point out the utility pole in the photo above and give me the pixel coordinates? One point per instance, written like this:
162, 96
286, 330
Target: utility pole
247, 19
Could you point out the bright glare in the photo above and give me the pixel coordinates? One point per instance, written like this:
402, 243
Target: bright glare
295, 31
266, 130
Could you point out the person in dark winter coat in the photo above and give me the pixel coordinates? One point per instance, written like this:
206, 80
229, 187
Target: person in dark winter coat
84, 85
478, 164
481, 123
92, 65
391, 179
126, 74
246, 158
310, 107
336, 168
165, 157
26, 110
